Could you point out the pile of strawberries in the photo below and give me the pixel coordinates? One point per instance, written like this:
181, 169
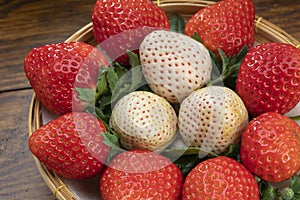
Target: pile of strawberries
164, 109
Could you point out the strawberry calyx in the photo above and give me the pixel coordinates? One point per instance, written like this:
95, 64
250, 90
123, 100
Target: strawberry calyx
295, 118
225, 68
177, 24
113, 83
228, 68
270, 192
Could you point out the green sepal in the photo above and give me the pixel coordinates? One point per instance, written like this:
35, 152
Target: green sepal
102, 85
112, 141
134, 59
197, 37
187, 163
295, 118
228, 68
112, 79
177, 24
267, 191
86, 94
295, 184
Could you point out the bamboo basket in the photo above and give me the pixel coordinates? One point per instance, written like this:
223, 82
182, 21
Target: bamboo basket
264, 32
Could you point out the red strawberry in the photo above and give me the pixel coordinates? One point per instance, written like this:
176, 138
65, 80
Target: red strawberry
141, 174
128, 21
270, 147
269, 78
228, 24
220, 178
54, 70
71, 145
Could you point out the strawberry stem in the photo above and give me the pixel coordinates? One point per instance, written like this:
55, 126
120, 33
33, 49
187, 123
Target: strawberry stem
228, 68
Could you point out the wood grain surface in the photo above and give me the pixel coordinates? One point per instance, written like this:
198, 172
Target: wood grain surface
25, 24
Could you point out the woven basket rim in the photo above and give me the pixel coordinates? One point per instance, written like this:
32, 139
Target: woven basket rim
263, 29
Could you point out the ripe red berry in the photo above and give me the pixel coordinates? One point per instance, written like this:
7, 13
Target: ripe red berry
270, 147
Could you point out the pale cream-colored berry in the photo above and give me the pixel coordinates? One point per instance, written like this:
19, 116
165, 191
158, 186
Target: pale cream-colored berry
144, 120
212, 118
174, 64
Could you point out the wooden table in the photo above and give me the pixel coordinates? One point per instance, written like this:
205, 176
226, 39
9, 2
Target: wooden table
26, 24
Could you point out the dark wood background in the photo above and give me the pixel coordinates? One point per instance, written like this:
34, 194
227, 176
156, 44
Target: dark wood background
25, 24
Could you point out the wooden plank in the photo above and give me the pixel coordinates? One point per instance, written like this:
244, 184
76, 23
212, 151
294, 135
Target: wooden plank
285, 14
28, 24
19, 178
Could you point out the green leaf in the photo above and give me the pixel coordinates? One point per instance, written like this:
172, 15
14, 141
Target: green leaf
267, 191
101, 115
112, 79
186, 158
136, 78
197, 37
86, 94
102, 85
104, 100
295, 184
228, 68
233, 151
187, 163
295, 118
134, 59
130, 81
240, 56
286, 193
296, 197
172, 153
112, 141
120, 70
177, 24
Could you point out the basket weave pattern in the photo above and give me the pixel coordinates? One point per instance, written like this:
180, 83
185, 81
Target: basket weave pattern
264, 32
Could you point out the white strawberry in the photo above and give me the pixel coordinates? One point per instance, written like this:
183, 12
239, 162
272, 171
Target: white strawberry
144, 120
174, 64
212, 118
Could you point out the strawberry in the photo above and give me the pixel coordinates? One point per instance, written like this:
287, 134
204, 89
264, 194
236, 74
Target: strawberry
220, 178
71, 145
212, 118
140, 174
121, 25
270, 147
144, 120
54, 70
228, 25
269, 78
174, 65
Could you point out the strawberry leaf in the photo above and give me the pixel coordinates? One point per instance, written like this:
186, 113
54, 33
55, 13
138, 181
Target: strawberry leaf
267, 192
133, 59
286, 194
228, 68
120, 70
233, 152
86, 94
197, 37
102, 86
225, 69
112, 79
131, 81
187, 163
295, 184
177, 24
295, 118
112, 141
